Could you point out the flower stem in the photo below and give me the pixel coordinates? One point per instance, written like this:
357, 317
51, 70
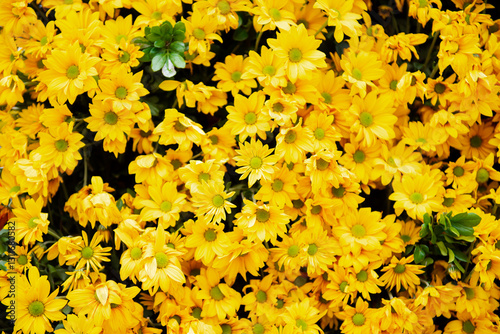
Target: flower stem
429, 52
53, 233
321, 28
258, 40
85, 167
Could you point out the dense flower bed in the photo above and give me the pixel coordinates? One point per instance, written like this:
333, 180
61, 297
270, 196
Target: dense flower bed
237, 166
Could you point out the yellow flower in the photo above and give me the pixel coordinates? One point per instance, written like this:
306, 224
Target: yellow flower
201, 30
176, 128
255, 161
293, 143
75, 323
280, 190
69, 73
246, 118
209, 240
261, 221
342, 16
402, 45
194, 173
401, 274
304, 315
229, 74
35, 306
358, 320
151, 168
88, 255
164, 203
269, 14
30, 222
361, 69
211, 201
299, 51
266, 67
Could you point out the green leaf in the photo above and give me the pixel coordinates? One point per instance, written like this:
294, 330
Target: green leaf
427, 219
158, 61
177, 60
459, 266
427, 261
419, 254
469, 219
67, 309
442, 248
180, 26
463, 230
460, 255
451, 255
156, 30
453, 231
153, 37
119, 204
179, 35
160, 43
178, 47
424, 230
240, 35
469, 238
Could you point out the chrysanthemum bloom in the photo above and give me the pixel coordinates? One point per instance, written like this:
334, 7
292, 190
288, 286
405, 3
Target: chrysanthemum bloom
224, 11
198, 171
35, 306
487, 269
229, 74
30, 222
322, 168
280, 190
269, 14
304, 315
361, 69
69, 73
359, 319
263, 294
164, 203
219, 145
299, 51
397, 160
293, 143
255, 161
325, 135
321, 250
211, 201
219, 300
401, 274
151, 169
338, 289
438, 300
417, 194
396, 316
202, 31
99, 205
266, 67
262, 221
342, 16
466, 323
246, 118
75, 323
423, 11
88, 255
176, 128
473, 300
402, 45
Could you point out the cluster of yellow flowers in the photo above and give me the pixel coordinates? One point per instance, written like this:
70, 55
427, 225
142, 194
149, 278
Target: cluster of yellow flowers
309, 171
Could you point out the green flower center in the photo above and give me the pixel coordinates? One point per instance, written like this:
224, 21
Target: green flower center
121, 92
448, 201
359, 156
226, 329
322, 164
210, 235
476, 141
156, 15
22, 260
319, 133
280, 303
293, 251
343, 286
124, 57
275, 14
176, 318
161, 260
216, 294
295, 55
290, 137
278, 107
468, 327
261, 296
40, 64
290, 88
166, 206
87, 252
338, 192
301, 324
399, 268
119, 38
304, 22
258, 329
196, 313
218, 200
262, 215
458, 171
416, 198
277, 185
176, 163
422, 3
32, 222
316, 209
44, 41
356, 73
136, 253
179, 127
312, 249
358, 319
236, 76
405, 238
362, 276
469, 293
256, 162
15, 189
199, 33
358, 231
36, 308
72, 72
214, 139
224, 7
366, 119
111, 118
61, 145
203, 177
391, 162
393, 85
482, 175
327, 97
250, 118
269, 70
297, 203
439, 88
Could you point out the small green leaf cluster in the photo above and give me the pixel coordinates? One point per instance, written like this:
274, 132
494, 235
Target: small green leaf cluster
447, 236
164, 47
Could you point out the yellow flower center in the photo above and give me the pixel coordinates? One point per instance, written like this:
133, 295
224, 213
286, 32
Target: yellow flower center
468, 327
278, 107
250, 118
312, 249
166, 206
393, 85
87, 252
359, 156
136, 253
399, 268
199, 33
482, 175
295, 55
179, 127
216, 294
290, 137
358, 319
61, 145
293, 251
458, 171
36, 308
269, 70
262, 215
358, 231
119, 38
356, 73
301, 323
111, 118
22, 260
327, 97
322, 164
156, 15
275, 14
362, 276
203, 177
319, 133
161, 260
236, 76
32, 222
261, 296
277, 185
218, 201
121, 92
72, 72
366, 119
416, 198
290, 88
210, 235
476, 141
439, 88
338, 192
256, 162
224, 7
